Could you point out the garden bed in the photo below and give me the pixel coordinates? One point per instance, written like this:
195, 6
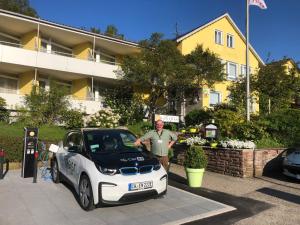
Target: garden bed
237, 162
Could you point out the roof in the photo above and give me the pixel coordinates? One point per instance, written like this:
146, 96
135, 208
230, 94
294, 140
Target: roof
226, 15
67, 27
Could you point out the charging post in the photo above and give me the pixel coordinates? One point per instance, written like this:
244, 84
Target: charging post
30, 154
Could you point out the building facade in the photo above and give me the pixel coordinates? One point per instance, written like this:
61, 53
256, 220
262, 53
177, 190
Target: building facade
35, 51
223, 37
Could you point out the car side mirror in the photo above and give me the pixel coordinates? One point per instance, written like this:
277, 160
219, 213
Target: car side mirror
74, 148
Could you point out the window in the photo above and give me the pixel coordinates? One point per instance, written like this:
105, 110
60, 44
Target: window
230, 41
218, 37
215, 98
232, 71
8, 85
74, 139
244, 69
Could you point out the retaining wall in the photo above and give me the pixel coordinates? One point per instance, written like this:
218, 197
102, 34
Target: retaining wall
238, 162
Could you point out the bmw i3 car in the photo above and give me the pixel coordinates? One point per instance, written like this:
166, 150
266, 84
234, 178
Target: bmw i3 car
291, 163
105, 167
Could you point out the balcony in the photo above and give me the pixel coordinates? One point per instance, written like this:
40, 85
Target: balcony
14, 101
12, 53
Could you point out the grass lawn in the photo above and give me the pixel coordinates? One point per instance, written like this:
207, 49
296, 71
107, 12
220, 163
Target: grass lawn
45, 132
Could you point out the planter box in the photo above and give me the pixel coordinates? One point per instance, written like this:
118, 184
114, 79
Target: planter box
237, 162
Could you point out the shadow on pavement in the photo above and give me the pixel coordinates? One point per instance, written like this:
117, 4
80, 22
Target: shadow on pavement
280, 194
246, 207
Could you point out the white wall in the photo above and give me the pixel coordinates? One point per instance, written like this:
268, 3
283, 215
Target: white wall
19, 56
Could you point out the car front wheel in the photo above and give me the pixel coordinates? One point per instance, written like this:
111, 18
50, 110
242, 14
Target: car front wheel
55, 172
86, 199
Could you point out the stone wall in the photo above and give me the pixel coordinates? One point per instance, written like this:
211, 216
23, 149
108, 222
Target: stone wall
237, 162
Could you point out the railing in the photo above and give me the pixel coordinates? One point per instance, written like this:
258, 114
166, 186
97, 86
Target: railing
44, 50
18, 45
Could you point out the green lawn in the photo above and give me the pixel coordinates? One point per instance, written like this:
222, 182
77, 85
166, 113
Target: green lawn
45, 132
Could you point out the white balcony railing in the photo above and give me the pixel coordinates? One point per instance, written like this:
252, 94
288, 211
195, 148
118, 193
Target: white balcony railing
20, 56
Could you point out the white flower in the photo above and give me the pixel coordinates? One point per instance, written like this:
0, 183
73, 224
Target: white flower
238, 144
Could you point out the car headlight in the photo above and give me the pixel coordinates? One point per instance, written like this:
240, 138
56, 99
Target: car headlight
107, 171
157, 166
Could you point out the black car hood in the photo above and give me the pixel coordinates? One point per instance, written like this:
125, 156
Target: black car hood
124, 159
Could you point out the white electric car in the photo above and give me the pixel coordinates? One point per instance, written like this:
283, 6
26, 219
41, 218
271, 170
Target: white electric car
105, 167
291, 163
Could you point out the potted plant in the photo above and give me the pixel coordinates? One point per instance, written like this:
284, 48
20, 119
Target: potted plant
195, 164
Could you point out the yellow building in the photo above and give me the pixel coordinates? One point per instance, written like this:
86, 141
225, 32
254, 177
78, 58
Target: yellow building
36, 51
223, 37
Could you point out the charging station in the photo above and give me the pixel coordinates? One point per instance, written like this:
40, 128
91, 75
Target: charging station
30, 152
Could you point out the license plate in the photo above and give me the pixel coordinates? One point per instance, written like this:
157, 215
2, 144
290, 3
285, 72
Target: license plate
140, 186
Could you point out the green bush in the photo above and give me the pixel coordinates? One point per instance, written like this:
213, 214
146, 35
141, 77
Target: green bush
170, 126
195, 158
248, 131
226, 119
4, 114
197, 116
73, 119
284, 126
13, 147
140, 128
268, 142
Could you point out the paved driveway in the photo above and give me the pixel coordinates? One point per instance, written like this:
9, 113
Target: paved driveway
22, 202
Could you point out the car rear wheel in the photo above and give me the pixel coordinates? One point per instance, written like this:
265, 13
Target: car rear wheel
86, 198
55, 172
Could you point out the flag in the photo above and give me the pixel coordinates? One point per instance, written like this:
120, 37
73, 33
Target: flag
260, 3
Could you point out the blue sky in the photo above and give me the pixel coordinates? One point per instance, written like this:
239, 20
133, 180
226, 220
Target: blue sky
274, 31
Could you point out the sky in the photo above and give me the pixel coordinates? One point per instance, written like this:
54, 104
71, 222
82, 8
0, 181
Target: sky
274, 33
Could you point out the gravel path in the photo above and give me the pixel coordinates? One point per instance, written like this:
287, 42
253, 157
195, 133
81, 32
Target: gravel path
281, 192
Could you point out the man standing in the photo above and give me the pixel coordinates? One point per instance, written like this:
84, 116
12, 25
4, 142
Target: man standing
161, 141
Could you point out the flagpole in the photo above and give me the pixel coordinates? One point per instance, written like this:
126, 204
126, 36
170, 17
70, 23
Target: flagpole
247, 63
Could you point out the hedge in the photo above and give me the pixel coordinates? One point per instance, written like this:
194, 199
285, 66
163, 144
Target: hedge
13, 147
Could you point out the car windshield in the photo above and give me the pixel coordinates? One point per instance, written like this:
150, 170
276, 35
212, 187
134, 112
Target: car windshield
110, 141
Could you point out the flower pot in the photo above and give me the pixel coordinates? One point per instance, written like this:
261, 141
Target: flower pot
194, 176
193, 130
213, 145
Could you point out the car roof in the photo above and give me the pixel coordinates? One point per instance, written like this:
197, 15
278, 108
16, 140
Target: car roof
96, 129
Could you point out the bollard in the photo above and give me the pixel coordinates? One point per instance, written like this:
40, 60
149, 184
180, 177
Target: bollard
2, 154
36, 156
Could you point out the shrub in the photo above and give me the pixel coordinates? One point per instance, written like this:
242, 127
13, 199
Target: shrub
268, 142
197, 116
195, 158
104, 118
226, 120
284, 126
72, 119
248, 130
13, 147
140, 128
4, 114
170, 126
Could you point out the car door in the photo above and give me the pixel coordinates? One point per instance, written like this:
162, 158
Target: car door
73, 157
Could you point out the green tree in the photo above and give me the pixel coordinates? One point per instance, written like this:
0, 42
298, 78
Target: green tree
95, 30
46, 106
158, 70
112, 31
273, 86
125, 103
207, 68
4, 113
277, 88
18, 6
